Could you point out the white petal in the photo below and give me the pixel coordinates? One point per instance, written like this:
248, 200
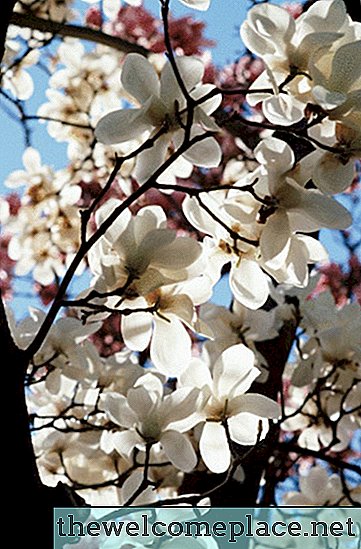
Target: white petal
197, 4
139, 77
214, 448
244, 428
283, 109
197, 375
325, 211
136, 330
125, 442
120, 126
170, 349
234, 368
206, 153
32, 160
142, 401
179, 450
275, 154
332, 176
249, 284
346, 66
180, 404
178, 255
275, 239
116, 407
151, 159
259, 405
191, 71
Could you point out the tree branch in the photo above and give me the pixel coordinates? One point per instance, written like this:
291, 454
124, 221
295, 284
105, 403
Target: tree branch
6, 11
31, 21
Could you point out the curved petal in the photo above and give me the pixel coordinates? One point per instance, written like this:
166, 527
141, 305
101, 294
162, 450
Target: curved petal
244, 428
206, 153
142, 401
139, 77
125, 442
234, 369
259, 405
324, 210
191, 71
179, 450
201, 5
249, 284
136, 330
120, 126
116, 407
170, 349
214, 448
275, 239
331, 175
151, 159
283, 109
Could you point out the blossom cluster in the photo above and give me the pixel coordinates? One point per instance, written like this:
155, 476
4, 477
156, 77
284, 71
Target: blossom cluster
187, 386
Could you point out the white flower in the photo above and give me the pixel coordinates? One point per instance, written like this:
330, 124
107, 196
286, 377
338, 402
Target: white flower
248, 282
317, 488
225, 401
291, 207
148, 415
337, 83
162, 105
287, 46
16, 79
166, 327
65, 347
333, 172
140, 252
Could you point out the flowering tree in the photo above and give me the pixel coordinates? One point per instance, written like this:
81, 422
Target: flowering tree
137, 388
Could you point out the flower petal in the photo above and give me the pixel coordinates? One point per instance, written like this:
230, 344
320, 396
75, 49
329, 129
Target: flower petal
234, 369
139, 77
170, 349
191, 71
151, 159
136, 330
244, 428
249, 284
120, 126
214, 448
179, 450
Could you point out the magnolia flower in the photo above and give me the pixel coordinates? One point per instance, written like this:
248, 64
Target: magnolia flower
334, 172
287, 46
248, 282
337, 83
224, 401
317, 488
16, 79
291, 207
138, 253
147, 417
162, 105
163, 319
66, 347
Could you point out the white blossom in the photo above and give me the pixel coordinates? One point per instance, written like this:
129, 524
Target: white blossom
147, 417
225, 401
162, 105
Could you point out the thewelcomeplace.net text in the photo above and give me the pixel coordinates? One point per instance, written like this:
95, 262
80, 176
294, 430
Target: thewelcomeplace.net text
230, 530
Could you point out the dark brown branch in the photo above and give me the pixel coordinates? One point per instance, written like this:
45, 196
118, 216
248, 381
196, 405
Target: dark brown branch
31, 21
7, 7
290, 447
